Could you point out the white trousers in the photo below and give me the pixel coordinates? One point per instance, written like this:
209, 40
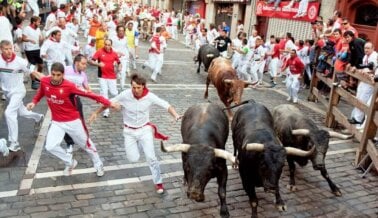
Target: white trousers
124, 62
174, 32
364, 93
142, 138
132, 58
155, 62
33, 4
236, 59
14, 109
292, 85
106, 86
274, 67
77, 132
257, 70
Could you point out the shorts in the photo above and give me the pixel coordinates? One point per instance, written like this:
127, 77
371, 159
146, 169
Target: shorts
34, 57
341, 76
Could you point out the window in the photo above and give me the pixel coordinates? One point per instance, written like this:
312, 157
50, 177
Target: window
367, 15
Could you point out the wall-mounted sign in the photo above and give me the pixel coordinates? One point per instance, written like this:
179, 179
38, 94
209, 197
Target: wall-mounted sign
284, 10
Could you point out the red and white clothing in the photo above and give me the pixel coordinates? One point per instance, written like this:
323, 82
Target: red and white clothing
66, 119
12, 83
121, 48
155, 57
138, 131
296, 68
107, 77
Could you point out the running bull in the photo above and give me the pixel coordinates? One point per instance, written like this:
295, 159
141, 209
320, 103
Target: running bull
295, 129
204, 131
206, 54
260, 154
229, 87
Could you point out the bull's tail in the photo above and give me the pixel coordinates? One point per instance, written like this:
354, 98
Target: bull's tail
241, 103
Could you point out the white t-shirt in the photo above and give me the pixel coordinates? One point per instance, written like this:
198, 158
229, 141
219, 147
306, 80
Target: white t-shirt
136, 113
34, 35
12, 75
6, 29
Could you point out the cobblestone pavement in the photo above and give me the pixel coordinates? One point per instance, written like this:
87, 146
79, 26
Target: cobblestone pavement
37, 188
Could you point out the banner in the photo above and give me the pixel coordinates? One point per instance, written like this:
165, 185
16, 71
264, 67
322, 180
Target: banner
296, 12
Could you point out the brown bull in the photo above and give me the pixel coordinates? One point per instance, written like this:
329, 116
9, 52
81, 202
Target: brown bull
225, 80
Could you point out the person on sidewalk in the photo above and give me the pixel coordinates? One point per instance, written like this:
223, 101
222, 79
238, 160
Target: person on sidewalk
107, 77
364, 90
138, 130
66, 118
12, 83
296, 68
155, 56
76, 74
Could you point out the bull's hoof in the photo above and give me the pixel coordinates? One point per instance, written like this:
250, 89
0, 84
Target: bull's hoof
292, 188
337, 193
224, 213
281, 207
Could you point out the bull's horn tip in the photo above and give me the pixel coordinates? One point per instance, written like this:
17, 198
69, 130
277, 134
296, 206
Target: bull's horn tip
162, 148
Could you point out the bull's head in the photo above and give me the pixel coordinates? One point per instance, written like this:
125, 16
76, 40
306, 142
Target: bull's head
319, 139
199, 163
236, 87
272, 162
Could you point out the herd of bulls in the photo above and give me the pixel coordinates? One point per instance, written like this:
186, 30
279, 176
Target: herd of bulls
262, 140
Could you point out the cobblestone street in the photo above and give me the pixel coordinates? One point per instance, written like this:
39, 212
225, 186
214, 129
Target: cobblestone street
37, 187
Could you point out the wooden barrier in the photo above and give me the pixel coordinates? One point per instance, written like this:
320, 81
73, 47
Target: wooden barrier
334, 114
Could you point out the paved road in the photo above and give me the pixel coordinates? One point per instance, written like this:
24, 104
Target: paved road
38, 188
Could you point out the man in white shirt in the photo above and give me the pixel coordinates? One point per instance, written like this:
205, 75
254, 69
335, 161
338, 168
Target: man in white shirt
32, 38
51, 18
364, 90
12, 70
6, 26
138, 130
121, 48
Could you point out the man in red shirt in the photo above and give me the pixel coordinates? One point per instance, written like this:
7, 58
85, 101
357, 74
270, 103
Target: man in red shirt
296, 68
66, 118
106, 59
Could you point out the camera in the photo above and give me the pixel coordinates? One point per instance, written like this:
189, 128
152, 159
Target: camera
369, 65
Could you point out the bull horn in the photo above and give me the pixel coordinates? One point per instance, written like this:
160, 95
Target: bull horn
250, 83
224, 154
227, 81
254, 147
210, 55
339, 135
300, 132
299, 152
173, 148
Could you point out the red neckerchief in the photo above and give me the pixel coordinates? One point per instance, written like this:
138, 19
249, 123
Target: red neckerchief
145, 92
33, 26
300, 48
53, 39
8, 60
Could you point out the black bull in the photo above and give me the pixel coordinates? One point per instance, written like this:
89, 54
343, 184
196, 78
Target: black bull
206, 54
297, 130
204, 131
260, 154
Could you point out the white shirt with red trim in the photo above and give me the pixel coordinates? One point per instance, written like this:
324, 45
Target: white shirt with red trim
12, 75
136, 113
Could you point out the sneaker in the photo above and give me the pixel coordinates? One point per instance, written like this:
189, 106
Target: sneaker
295, 100
3, 97
288, 99
14, 147
37, 125
105, 114
68, 170
100, 171
35, 84
3, 147
159, 188
69, 149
